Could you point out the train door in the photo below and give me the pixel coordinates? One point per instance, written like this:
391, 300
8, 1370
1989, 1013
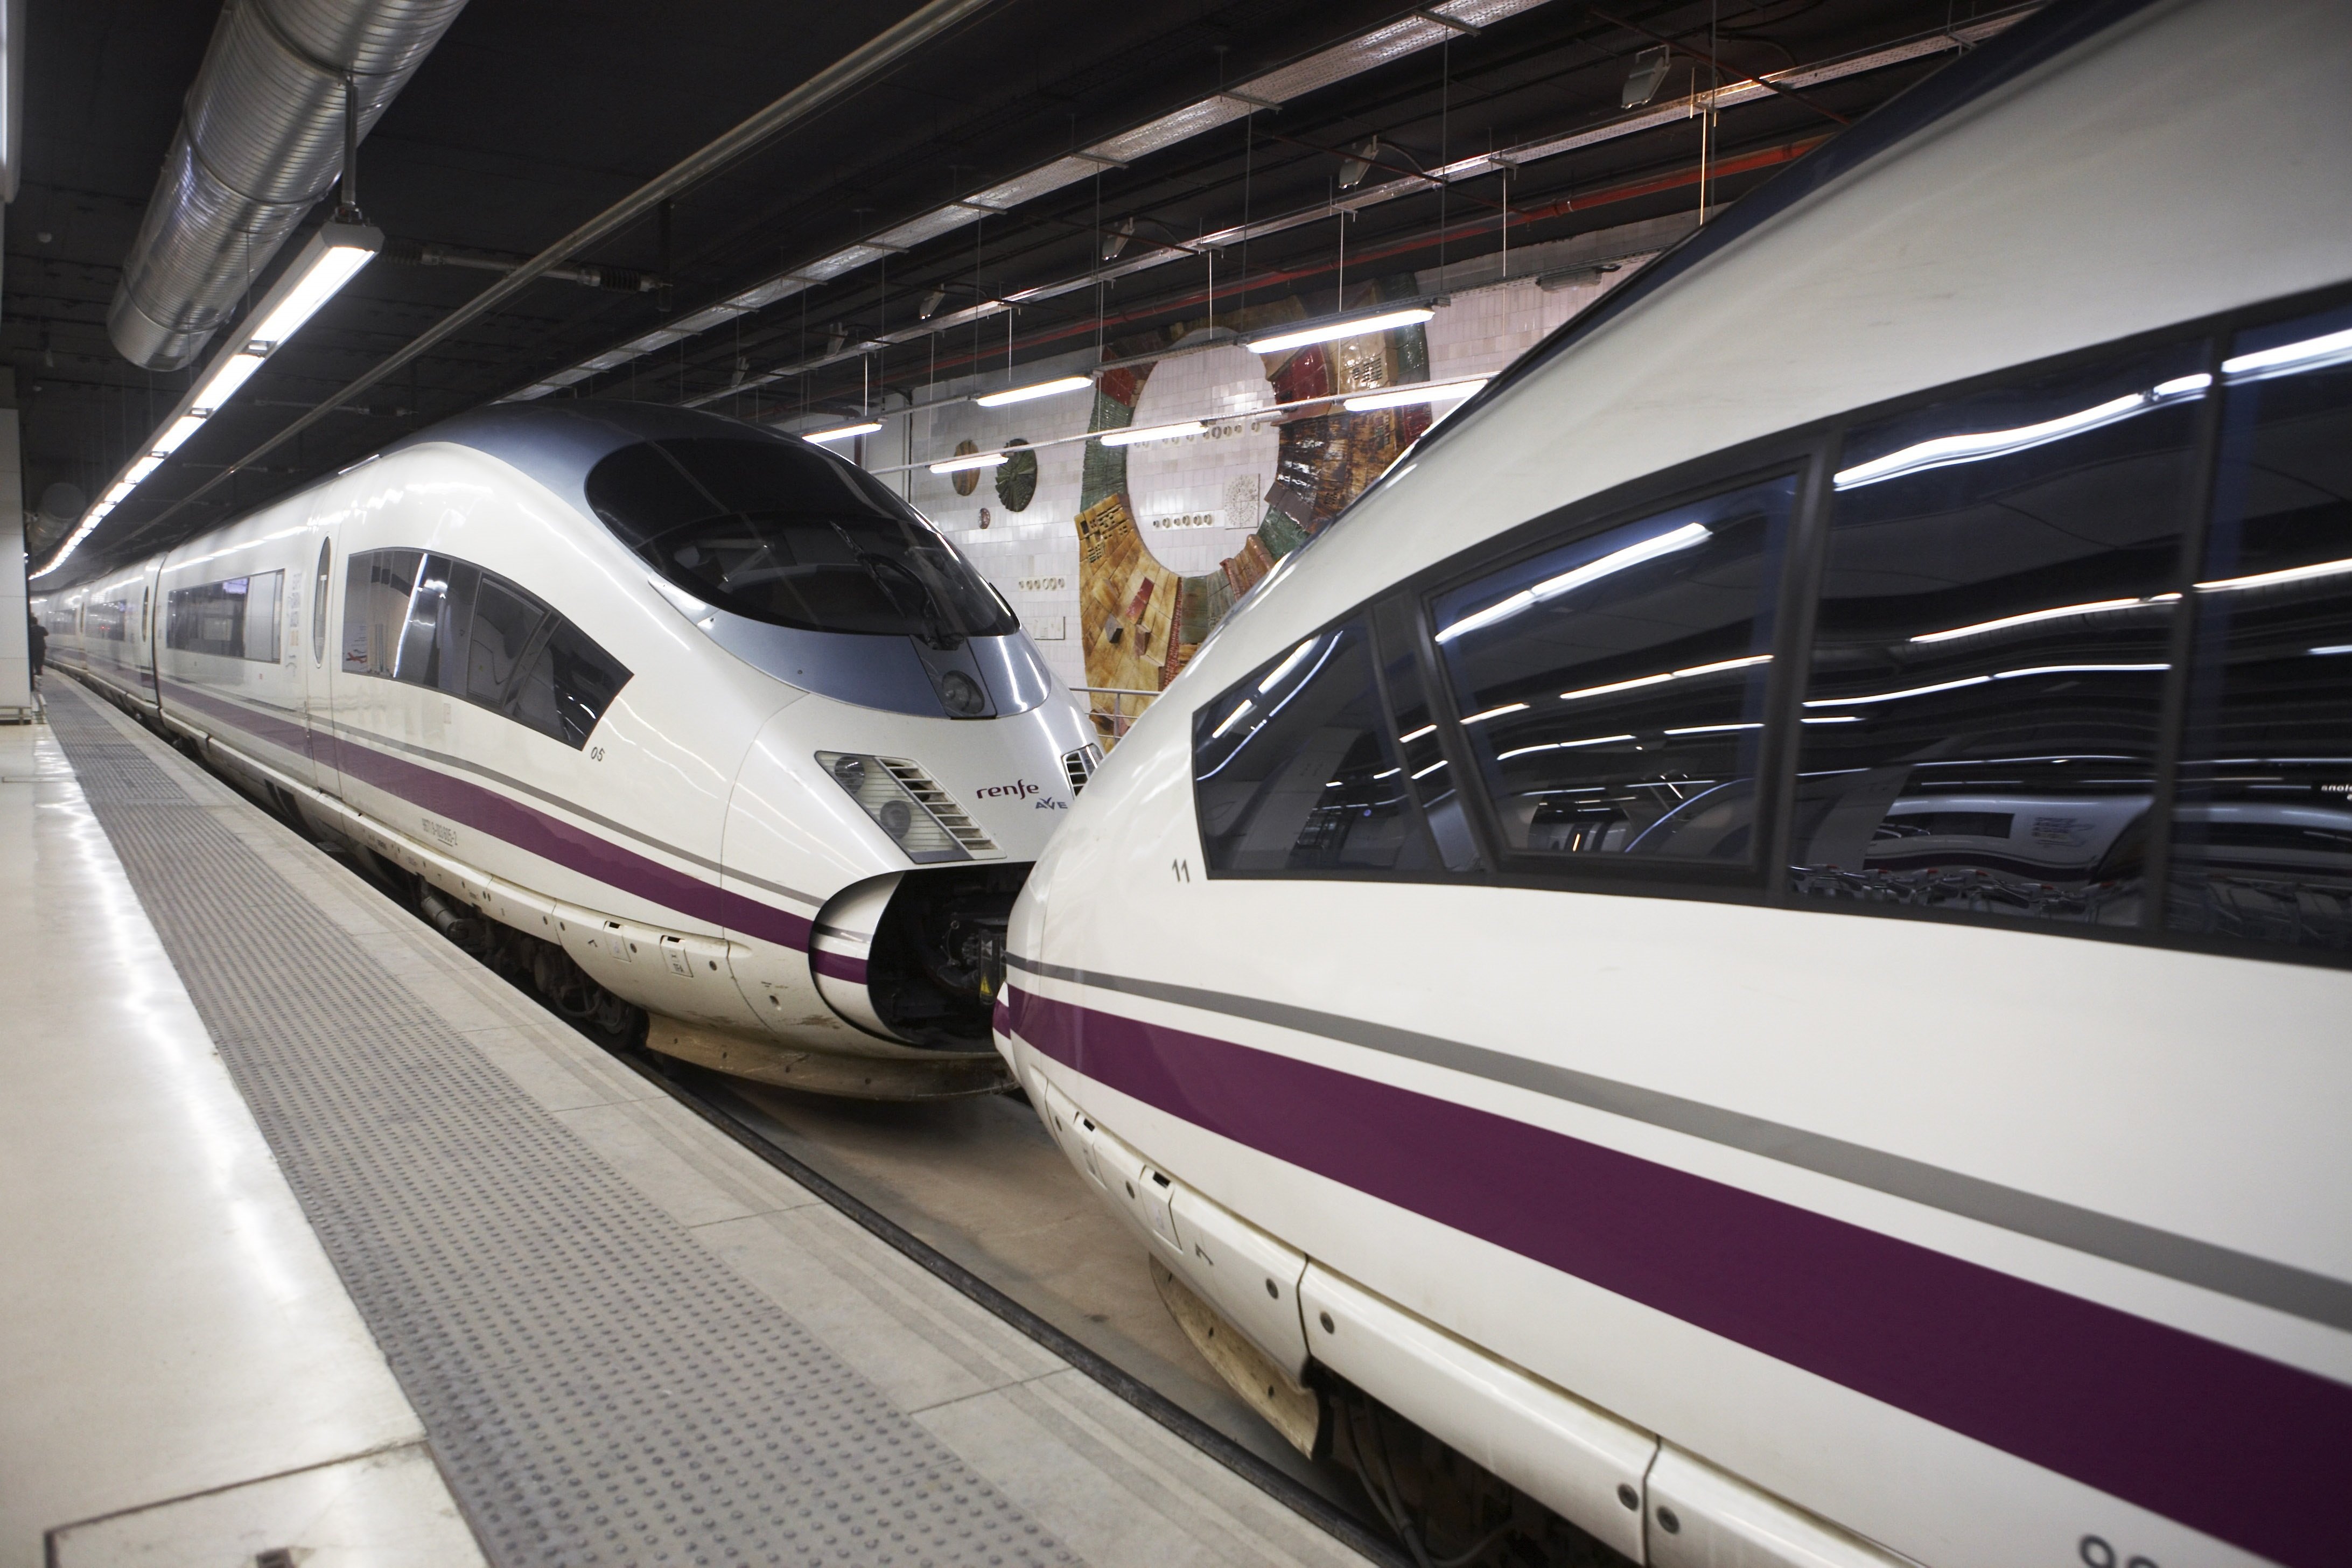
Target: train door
146, 631
315, 652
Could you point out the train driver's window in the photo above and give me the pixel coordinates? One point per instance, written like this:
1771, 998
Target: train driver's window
1297, 767
1980, 721
1613, 688
2263, 824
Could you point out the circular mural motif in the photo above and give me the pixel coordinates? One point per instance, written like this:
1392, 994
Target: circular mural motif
1016, 481
969, 480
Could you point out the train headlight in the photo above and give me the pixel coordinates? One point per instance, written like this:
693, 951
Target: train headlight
961, 695
907, 804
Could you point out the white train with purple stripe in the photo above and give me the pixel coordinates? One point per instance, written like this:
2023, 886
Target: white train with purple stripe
714, 717
1760, 938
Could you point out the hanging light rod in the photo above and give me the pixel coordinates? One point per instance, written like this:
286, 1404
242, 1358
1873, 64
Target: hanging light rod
1341, 327
842, 432
1054, 388
1152, 433
967, 463
332, 257
1403, 396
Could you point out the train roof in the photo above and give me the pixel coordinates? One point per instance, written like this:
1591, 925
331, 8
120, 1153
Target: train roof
558, 442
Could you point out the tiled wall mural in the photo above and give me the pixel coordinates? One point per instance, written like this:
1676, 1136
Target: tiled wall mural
1120, 560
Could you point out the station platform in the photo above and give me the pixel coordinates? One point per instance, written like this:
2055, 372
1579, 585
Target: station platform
324, 1241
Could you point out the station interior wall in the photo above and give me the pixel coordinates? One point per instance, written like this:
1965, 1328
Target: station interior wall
1092, 596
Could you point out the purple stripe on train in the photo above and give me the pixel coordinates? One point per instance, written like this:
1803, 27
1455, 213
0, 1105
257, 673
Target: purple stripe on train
528, 829
837, 966
2227, 1442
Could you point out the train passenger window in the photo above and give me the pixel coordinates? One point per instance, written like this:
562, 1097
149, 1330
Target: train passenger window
779, 531
377, 589
236, 617
2262, 829
1980, 721
1613, 688
1298, 769
432, 637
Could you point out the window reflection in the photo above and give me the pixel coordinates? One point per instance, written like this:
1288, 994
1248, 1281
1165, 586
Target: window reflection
1296, 767
1613, 689
1981, 720
2263, 826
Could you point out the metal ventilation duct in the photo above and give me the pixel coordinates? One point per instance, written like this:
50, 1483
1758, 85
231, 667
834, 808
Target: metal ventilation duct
261, 142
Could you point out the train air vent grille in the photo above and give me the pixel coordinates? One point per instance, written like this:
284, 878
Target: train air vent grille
940, 805
1080, 766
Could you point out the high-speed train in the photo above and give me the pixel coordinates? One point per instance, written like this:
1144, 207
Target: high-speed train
663, 711
1759, 938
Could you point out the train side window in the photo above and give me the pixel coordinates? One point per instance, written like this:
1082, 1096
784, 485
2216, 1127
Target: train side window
1297, 768
2262, 828
1980, 721
565, 685
377, 585
505, 618
433, 632
236, 617
1419, 749
1611, 689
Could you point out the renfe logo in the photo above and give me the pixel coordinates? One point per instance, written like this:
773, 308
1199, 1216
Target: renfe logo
1019, 789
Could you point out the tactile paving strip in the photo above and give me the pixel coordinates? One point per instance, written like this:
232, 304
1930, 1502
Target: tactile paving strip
597, 1388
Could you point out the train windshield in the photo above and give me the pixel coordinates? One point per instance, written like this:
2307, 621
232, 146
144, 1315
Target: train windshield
768, 529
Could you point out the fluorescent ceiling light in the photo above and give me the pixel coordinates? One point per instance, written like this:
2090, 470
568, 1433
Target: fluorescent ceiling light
1041, 389
142, 468
1562, 746
967, 462
220, 383
176, 434
1297, 654
1496, 712
842, 432
1153, 433
2289, 359
1639, 680
332, 258
2095, 607
1945, 450
1712, 728
2269, 579
1400, 396
1355, 327
1232, 718
1650, 549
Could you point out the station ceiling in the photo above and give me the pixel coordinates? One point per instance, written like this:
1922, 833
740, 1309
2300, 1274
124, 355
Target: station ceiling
531, 116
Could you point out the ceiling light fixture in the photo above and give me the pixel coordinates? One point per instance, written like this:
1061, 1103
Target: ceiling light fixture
965, 464
843, 432
331, 258
1153, 433
1041, 389
1402, 396
1350, 327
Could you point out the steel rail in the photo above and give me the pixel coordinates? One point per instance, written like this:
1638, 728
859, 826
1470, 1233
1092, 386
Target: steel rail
852, 70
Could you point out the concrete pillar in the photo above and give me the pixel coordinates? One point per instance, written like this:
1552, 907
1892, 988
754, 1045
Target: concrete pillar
16, 664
